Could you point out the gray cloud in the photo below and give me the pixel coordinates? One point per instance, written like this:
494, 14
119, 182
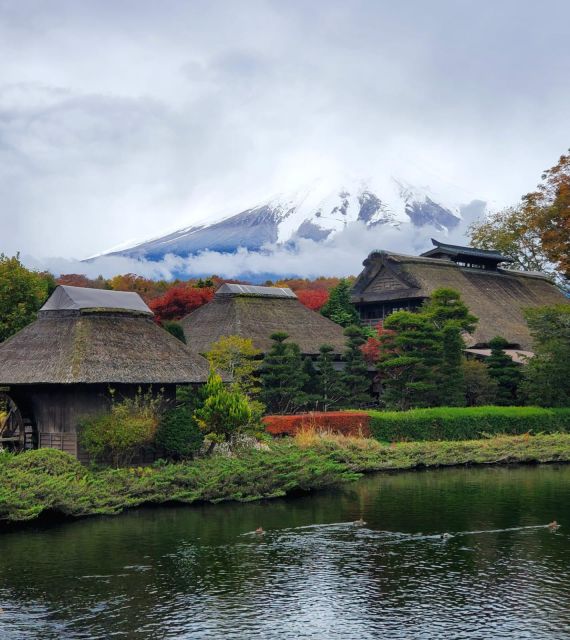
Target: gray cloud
124, 120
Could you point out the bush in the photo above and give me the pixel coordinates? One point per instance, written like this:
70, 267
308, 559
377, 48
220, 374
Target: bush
345, 422
178, 433
119, 434
51, 462
223, 412
466, 423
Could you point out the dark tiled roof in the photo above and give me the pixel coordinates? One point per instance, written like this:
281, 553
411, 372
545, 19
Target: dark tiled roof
457, 250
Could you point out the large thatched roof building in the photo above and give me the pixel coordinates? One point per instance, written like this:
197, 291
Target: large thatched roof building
256, 313
61, 367
497, 296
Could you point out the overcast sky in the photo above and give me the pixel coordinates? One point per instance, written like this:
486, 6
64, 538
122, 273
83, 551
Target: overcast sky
126, 119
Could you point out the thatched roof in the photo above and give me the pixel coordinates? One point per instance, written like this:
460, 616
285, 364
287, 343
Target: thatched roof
97, 345
496, 296
256, 314
67, 298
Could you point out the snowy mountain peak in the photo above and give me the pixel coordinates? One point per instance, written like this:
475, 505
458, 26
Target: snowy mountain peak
314, 212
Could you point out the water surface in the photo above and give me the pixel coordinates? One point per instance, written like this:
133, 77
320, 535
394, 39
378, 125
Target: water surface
201, 572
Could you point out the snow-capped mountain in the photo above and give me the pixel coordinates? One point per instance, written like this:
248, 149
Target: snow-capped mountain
316, 212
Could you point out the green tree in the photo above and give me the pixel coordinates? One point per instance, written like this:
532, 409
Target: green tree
282, 376
444, 306
238, 358
354, 377
505, 372
338, 308
329, 384
480, 388
451, 388
223, 412
311, 386
22, 293
411, 355
547, 374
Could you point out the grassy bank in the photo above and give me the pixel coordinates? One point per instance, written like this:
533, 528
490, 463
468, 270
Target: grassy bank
49, 480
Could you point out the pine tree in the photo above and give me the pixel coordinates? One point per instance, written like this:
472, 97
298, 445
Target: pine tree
329, 385
311, 386
505, 372
354, 378
452, 384
445, 305
547, 375
410, 360
338, 308
282, 376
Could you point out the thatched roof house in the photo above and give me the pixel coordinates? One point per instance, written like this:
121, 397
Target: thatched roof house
497, 296
85, 341
256, 313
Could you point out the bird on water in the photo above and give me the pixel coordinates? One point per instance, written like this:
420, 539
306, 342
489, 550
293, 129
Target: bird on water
553, 526
259, 531
359, 523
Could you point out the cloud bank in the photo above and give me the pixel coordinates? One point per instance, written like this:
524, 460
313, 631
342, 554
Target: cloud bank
124, 120
342, 255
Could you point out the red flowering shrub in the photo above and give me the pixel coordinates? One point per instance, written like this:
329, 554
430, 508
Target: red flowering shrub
313, 299
179, 302
349, 423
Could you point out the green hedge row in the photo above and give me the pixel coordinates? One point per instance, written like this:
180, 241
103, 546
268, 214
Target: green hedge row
459, 423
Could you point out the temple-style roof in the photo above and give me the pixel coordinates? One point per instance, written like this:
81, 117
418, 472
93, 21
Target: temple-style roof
101, 339
66, 298
256, 313
465, 254
497, 297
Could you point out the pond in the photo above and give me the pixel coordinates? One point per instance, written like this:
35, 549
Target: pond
202, 572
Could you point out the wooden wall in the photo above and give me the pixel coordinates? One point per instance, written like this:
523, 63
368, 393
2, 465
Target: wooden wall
56, 410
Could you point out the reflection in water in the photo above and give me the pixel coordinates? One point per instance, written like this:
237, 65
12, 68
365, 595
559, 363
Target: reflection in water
316, 571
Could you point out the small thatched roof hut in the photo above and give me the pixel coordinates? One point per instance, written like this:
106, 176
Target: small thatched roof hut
497, 296
84, 342
256, 313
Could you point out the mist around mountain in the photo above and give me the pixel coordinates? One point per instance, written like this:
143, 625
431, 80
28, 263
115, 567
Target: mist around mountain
321, 224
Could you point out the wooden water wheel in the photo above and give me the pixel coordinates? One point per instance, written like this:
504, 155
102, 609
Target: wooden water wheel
12, 425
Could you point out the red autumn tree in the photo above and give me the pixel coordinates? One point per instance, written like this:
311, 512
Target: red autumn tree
372, 348
313, 298
179, 301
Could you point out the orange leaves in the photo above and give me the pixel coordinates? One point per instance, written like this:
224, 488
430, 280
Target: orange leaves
349, 423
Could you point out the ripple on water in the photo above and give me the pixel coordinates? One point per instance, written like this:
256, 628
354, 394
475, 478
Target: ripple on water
204, 573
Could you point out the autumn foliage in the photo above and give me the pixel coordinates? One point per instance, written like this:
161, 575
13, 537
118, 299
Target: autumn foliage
372, 348
180, 301
313, 299
349, 423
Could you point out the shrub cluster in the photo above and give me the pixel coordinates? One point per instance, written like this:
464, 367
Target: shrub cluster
466, 423
348, 423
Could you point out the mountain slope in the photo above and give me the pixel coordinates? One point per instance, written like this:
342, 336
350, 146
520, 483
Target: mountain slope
316, 212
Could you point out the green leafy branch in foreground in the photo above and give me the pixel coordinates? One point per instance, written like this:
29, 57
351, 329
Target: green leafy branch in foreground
50, 480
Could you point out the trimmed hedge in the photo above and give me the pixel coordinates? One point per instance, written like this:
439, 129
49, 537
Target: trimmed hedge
466, 423
353, 423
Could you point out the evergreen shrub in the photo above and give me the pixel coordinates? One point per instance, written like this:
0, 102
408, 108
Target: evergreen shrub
178, 433
466, 423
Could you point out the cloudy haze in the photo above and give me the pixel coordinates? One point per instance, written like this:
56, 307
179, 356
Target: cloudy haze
121, 120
